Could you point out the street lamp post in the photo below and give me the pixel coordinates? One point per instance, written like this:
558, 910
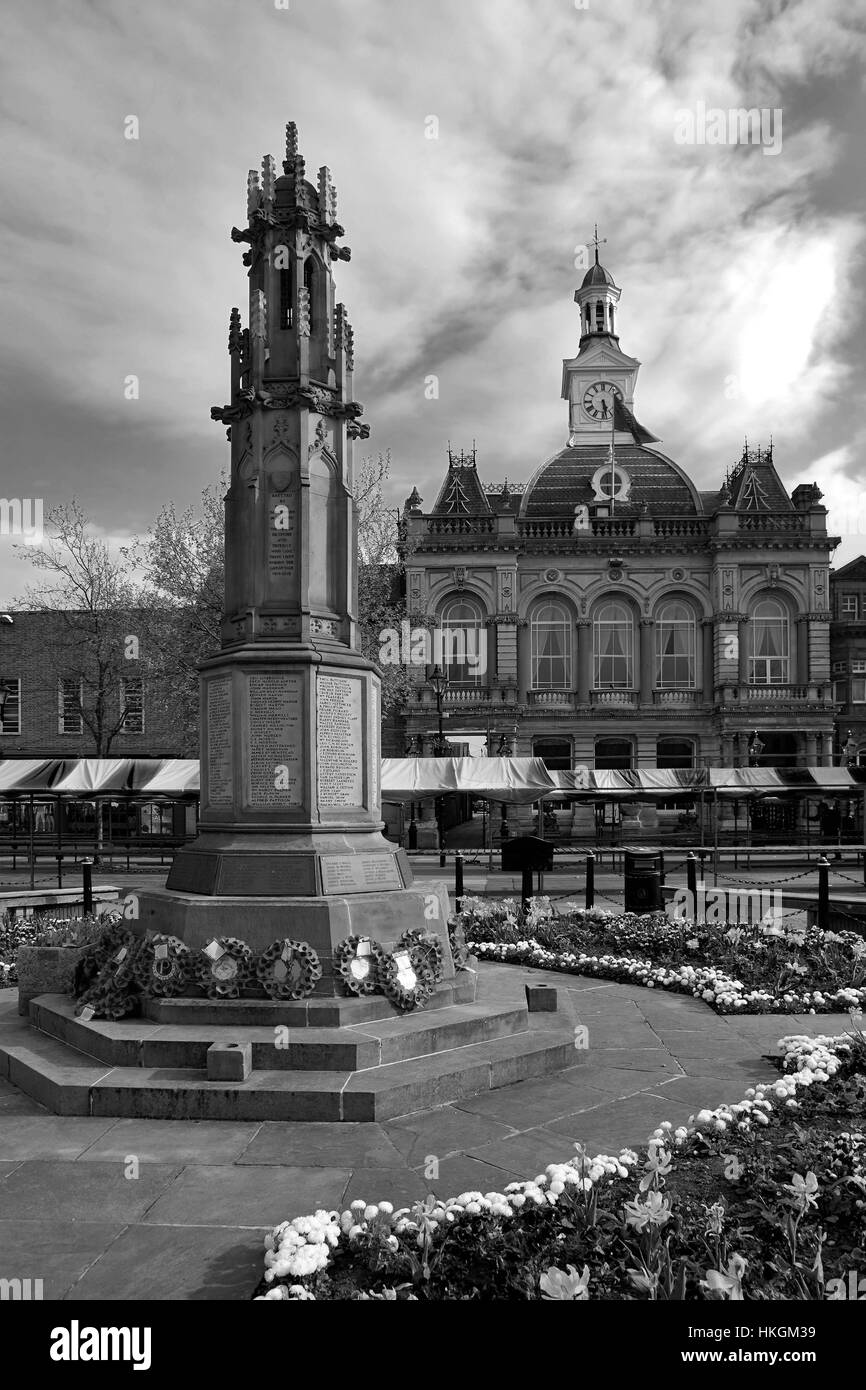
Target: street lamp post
438, 680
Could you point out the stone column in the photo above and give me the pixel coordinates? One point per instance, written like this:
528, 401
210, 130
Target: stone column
826, 749
744, 652
802, 668
583, 628
727, 742
647, 654
811, 750
706, 675
524, 663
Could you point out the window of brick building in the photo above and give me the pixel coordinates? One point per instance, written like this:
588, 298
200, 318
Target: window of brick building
849, 605
10, 707
70, 696
132, 704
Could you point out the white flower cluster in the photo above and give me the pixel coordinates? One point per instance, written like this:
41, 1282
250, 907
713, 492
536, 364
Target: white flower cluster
300, 1247
703, 982
807, 1060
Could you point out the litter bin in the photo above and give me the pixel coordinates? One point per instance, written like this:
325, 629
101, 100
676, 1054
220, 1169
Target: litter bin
643, 880
527, 852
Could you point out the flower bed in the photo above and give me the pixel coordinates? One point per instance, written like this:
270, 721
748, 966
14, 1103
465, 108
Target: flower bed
754, 968
760, 1200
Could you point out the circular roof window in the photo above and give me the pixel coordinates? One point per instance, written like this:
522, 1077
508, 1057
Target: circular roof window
611, 483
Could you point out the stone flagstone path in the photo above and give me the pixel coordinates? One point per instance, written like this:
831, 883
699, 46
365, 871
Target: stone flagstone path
190, 1224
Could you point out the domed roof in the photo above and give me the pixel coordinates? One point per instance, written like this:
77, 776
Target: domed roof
596, 275
565, 482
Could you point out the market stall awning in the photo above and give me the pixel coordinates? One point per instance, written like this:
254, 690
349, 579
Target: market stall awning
175, 777
513, 780
646, 784
781, 781
85, 778
28, 774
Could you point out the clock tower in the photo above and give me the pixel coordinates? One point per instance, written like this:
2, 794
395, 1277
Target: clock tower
601, 370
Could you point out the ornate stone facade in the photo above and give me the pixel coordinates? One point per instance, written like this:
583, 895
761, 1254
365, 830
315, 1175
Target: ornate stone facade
630, 618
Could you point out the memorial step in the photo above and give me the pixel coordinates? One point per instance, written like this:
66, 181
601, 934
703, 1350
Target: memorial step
140, 1043
69, 1082
326, 1012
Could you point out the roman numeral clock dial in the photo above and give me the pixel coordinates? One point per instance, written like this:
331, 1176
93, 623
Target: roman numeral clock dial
598, 400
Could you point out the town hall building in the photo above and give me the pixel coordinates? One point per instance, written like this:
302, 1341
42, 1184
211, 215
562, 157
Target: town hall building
609, 613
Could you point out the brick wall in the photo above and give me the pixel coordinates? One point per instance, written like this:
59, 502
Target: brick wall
29, 654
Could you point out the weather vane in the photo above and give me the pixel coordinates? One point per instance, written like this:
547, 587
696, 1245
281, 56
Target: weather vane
596, 243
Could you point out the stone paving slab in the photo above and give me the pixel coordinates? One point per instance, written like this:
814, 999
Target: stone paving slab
82, 1192
189, 1263
190, 1227
60, 1253
322, 1146
172, 1141
49, 1136
254, 1196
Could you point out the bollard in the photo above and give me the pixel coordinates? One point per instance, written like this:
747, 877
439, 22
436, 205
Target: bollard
87, 875
823, 893
590, 879
526, 888
692, 882
458, 880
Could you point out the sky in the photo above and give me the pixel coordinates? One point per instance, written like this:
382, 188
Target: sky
474, 144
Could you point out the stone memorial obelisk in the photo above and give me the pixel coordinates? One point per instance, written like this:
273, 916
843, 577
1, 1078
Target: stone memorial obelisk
290, 839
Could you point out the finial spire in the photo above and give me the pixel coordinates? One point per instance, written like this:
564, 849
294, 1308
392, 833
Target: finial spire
596, 243
291, 147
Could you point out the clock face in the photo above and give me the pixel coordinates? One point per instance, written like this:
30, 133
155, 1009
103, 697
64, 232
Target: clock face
598, 400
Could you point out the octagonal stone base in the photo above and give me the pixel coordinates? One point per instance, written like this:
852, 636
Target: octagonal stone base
321, 922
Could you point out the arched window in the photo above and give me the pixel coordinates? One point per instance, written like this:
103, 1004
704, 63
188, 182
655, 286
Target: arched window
613, 647
599, 316
770, 657
461, 643
555, 753
550, 637
675, 647
613, 754
675, 752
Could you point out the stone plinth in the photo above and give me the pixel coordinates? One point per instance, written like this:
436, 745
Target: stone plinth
321, 922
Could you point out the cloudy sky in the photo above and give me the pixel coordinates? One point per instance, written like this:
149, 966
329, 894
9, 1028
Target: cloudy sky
742, 271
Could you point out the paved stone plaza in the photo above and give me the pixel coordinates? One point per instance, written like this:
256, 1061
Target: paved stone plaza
190, 1224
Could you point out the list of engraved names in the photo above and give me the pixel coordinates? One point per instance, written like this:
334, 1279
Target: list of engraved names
275, 765
219, 742
339, 741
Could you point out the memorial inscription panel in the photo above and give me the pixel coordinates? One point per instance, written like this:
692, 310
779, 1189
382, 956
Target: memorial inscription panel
274, 773
219, 742
339, 741
359, 873
283, 529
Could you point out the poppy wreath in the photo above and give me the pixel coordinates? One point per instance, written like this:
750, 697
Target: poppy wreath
359, 968
163, 967
288, 970
223, 967
428, 949
113, 993
405, 979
